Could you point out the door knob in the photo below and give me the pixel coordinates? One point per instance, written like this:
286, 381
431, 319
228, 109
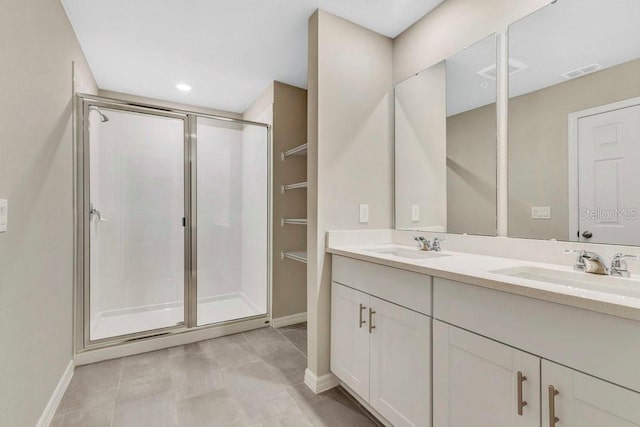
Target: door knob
587, 234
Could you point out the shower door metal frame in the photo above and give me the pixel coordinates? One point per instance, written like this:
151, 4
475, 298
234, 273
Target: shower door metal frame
82, 285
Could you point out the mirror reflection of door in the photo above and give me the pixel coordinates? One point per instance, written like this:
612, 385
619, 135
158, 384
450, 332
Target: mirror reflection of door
608, 151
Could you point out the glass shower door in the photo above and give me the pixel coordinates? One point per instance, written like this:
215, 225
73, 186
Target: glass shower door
232, 208
135, 222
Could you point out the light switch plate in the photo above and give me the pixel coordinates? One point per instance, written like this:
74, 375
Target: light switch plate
4, 214
541, 212
415, 213
364, 214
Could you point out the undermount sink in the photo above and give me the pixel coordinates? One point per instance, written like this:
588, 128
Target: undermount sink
407, 253
626, 287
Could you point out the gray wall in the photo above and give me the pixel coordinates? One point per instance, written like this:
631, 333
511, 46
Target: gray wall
37, 47
350, 137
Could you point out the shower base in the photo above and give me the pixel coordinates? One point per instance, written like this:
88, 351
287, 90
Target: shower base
221, 308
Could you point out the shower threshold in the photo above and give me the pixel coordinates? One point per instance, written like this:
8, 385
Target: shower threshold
220, 308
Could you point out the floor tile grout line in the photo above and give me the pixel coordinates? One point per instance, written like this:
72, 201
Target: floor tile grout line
297, 404
290, 342
174, 399
113, 414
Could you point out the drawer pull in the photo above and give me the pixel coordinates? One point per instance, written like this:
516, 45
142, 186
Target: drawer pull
552, 406
521, 403
362, 308
371, 326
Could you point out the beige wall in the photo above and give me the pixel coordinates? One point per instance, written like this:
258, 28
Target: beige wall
37, 47
289, 129
350, 137
452, 26
421, 150
471, 171
538, 153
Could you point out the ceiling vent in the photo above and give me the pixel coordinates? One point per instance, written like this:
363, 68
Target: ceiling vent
579, 72
514, 67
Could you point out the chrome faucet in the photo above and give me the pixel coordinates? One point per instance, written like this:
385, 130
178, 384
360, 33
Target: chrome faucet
423, 243
428, 245
589, 262
435, 245
619, 265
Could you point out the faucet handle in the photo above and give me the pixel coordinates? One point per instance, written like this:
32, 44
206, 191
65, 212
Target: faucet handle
435, 245
619, 265
580, 264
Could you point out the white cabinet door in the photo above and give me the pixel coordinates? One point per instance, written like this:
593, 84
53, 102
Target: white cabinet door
476, 381
350, 338
400, 364
585, 401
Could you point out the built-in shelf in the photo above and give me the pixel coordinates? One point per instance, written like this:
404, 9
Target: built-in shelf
288, 187
300, 256
300, 150
293, 221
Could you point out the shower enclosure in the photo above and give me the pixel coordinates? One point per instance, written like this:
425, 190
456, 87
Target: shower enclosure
172, 221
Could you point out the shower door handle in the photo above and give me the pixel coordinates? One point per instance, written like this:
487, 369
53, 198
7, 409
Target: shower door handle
95, 212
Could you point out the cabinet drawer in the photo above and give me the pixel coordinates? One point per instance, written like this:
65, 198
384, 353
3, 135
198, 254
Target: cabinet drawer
605, 346
405, 288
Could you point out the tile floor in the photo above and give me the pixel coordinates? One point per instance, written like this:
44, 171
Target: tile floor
249, 379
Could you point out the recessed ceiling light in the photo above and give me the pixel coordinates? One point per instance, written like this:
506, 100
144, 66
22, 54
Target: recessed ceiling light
183, 87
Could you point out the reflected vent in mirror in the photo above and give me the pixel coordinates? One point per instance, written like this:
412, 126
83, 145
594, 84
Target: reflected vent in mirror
579, 72
514, 67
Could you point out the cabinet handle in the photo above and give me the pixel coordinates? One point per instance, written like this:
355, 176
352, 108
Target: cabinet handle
362, 308
552, 406
521, 403
371, 326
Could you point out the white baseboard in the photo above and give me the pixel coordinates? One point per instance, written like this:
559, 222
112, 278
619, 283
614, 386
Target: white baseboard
56, 397
292, 319
322, 383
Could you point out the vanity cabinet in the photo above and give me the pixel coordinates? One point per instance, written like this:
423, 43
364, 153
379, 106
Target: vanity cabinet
575, 399
399, 366
350, 338
499, 359
480, 382
381, 349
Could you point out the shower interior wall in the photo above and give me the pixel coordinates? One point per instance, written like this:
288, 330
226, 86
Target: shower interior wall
138, 257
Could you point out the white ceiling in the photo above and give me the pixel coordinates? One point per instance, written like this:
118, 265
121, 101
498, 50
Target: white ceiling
558, 38
227, 50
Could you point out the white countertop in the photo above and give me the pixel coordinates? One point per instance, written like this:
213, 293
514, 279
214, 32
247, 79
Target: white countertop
477, 270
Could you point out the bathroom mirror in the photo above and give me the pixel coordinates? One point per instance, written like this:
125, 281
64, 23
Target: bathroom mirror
574, 122
445, 145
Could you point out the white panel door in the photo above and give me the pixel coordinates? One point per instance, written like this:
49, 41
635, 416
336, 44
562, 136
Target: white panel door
400, 364
585, 401
608, 176
350, 338
476, 381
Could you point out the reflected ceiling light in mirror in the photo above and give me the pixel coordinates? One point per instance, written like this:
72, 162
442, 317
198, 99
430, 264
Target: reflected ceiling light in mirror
514, 67
183, 87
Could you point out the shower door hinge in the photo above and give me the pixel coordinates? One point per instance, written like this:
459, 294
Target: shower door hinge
184, 221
